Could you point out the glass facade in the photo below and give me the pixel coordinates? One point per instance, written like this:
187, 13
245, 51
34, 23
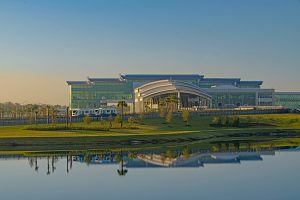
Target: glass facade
93, 95
232, 99
288, 99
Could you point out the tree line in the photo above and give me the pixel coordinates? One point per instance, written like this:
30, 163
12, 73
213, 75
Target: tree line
17, 110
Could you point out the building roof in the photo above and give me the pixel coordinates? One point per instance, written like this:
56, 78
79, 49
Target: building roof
77, 82
250, 83
221, 80
161, 76
104, 79
169, 86
225, 87
287, 93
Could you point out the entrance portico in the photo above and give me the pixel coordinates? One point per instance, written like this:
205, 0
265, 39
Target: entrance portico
188, 94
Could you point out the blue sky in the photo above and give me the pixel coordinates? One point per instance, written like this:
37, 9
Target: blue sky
57, 40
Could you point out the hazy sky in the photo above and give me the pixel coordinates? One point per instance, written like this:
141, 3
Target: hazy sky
44, 43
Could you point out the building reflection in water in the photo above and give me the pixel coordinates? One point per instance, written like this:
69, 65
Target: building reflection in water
124, 161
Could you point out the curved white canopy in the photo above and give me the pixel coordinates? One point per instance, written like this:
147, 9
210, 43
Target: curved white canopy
157, 88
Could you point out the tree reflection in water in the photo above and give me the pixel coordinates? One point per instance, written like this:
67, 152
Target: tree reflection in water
121, 171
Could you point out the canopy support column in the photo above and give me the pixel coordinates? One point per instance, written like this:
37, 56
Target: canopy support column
179, 100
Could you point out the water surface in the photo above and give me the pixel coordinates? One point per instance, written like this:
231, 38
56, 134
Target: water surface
266, 175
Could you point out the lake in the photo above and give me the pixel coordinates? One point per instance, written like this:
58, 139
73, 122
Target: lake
266, 174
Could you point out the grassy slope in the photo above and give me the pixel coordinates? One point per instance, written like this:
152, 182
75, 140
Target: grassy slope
153, 133
151, 127
16, 138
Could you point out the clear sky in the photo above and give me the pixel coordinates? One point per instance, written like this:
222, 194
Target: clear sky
43, 43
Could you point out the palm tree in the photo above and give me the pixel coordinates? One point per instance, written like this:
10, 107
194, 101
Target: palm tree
168, 101
67, 164
1, 110
122, 104
186, 153
34, 109
31, 162
171, 101
47, 113
174, 101
36, 168
121, 171
53, 166
48, 171
54, 114
71, 162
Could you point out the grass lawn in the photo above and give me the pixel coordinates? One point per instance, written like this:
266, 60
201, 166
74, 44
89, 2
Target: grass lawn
151, 131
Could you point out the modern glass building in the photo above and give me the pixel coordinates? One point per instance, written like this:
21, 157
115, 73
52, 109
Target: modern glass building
146, 90
288, 99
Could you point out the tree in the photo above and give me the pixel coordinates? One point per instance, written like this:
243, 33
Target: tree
162, 108
52, 163
168, 101
118, 119
87, 120
31, 162
1, 110
186, 153
132, 120
236, 122
121, 171
217, 147
48, 113
227, 145
36, 117
132, 155
174, 102
110, 118
186, 117
54, 115
122, 104
147, 108
169, 117
87, 159
217, 121
141, 117
171, 101
236, 146
227, 121
102, 123
249, 120
36, 167
170, 154
48, 166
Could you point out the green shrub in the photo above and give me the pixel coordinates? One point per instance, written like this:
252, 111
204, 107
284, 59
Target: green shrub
227, 121
31, 119
87, 120
169, 117
162, 111
236, 146
118, 119
249, 120
141, 117
186, 116
132, 120
217, 147
170, 154
217, 121
236, 122
186, 153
